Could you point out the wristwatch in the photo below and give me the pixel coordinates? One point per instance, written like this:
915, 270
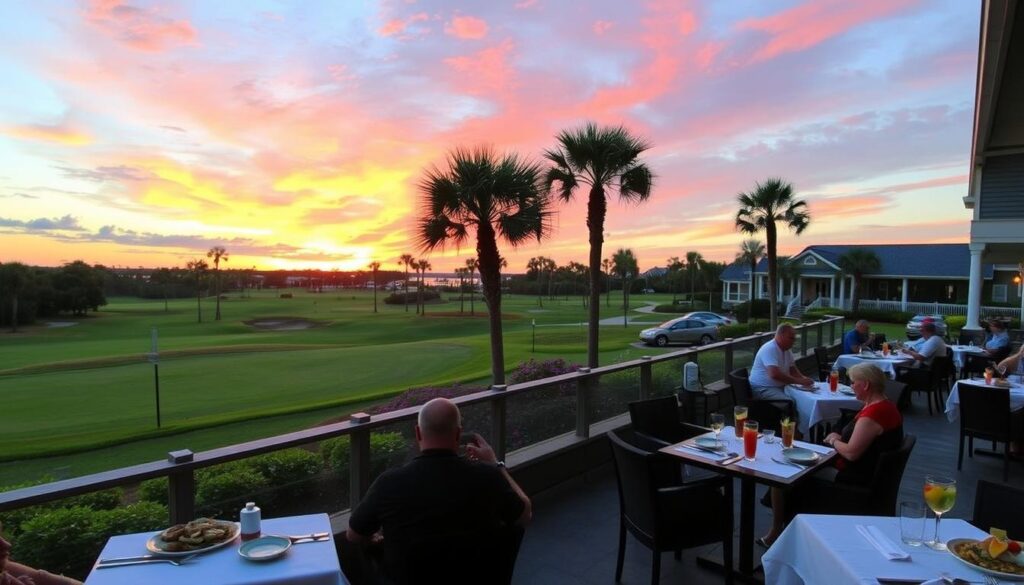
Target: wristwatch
500, 464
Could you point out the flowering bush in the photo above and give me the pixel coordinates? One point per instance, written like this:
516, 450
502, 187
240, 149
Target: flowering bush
419, 396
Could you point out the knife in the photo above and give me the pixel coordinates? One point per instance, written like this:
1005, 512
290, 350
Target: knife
731, 460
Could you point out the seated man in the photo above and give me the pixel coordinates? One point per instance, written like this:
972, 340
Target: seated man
997, 343
774, 367
442, 517
860, 337
928, 347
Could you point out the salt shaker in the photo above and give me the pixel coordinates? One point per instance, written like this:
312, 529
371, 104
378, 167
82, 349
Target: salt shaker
250, 520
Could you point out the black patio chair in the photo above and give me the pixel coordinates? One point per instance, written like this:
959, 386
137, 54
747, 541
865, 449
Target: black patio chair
931, 380
824, 363
997, 505
985, 414
897, 393
656, 424
876, 343
665, 517
768, 413
975, 364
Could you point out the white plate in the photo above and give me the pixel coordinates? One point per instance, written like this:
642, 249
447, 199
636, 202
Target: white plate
956, 541
709, 443
265, 548
154, 543
800, 455
847, 391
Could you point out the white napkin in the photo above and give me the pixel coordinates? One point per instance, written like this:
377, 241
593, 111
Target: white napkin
716, 457
881, 542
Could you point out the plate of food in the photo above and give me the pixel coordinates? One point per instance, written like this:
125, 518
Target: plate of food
709, 443
800, 455
996, 555
198, 536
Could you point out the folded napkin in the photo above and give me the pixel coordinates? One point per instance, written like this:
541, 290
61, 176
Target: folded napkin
712, 455
882, 543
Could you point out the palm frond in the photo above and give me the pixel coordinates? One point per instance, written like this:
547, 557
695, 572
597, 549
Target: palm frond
635, 184
565, 179
435, 232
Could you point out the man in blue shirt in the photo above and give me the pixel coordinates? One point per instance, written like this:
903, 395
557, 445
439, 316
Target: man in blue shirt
997, 344
858, 338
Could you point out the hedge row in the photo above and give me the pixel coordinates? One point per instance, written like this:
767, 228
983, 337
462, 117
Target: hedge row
743, 329
399, 298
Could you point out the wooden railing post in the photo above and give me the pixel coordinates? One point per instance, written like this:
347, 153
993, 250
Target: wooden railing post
803, 340
831, 333
645, 379
583, 385
181, 496
498, 427
821, 332
358, 465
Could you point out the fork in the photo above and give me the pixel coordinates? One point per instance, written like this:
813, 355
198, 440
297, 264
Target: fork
314, 537
116, 563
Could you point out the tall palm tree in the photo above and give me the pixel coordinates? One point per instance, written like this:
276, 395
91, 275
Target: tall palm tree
602, 159
461, 272
218, 254
674, 268
624, 265
14, 280
578, 270
496, 197
606, 273
770, 202
198, 268
856, 263
694, 263
471, 265
536, 266
407, 260
751, 252
423, 266
374, 266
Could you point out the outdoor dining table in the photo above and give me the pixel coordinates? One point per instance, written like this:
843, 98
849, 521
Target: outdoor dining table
820, 405
311, 563
953, 401
959, 351
764, 470
830, 549
886, 363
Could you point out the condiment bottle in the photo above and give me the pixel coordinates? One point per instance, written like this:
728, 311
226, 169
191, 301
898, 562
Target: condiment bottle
250, 520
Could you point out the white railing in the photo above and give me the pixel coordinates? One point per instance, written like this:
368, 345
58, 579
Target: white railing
946, 309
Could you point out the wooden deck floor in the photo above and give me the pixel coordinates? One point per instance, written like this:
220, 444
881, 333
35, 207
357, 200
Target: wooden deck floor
573, 537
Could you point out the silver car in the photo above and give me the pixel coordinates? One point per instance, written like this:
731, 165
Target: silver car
914, 325
680, 330
710, 318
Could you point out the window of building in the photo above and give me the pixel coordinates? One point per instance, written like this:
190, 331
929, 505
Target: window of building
999, 293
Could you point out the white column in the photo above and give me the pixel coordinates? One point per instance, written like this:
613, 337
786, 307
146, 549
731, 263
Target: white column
974, 290
906, 294
758, 285
779, 290
832, 291
842, 293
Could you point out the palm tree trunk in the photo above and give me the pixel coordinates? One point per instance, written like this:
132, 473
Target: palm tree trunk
199, 304
472, 292
216, 316
490, 278
375, 291
753, 267
596, 209
462, 294
14, 313
406, 299
771, 236
165, 298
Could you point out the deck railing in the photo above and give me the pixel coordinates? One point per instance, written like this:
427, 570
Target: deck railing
181, 472
935, 308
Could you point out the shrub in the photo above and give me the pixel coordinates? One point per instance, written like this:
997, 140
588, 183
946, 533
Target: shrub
68, 540
153, 490
761, 310
422, 395
284, 468
13, 519
386, 450
286, 295
743, 329
222, 493
956, 322
398, 298
669, 309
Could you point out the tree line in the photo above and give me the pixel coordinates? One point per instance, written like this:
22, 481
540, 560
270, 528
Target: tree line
28, 293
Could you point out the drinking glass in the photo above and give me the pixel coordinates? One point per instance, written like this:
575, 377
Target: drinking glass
717, 424
940, 495
769, 436
739, 415
749, 439
833, 381
788, 428
912, 515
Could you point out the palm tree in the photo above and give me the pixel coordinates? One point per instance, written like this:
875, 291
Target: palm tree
600, 158
770, 202
674, 270
406, 259
625, 266
694, 262
198, 267
856, 263
751, 252
162, 277
578, 270
606, 273
374, 266
218, 253
461, 272
471, 266
536, 266
422, 266
14, 280
496, 197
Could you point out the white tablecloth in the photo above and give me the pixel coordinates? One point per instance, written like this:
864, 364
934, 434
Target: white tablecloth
887, 364
314, 563
953, 401
764, 458
959, 351
828, 549
820, 405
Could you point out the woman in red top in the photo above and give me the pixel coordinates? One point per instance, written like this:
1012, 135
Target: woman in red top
877, 428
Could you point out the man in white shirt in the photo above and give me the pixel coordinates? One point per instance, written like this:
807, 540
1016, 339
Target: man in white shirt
930, 346
774, 367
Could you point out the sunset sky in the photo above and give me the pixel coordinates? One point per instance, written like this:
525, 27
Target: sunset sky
293, 133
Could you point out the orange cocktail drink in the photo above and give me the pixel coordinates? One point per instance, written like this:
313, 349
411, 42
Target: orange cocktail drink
750, 439
740, 414
788, 428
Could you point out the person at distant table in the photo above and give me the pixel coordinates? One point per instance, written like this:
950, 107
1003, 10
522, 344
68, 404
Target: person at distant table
860, 337
929, 347
12, 573
774, 367
997, 342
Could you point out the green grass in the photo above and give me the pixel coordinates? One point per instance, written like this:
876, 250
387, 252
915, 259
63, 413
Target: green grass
80, 399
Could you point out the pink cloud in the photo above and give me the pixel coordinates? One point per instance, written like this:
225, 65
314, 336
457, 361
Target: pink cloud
707, 53
485, 71
466, 27
144, 29
815, 21
397, 26
602, 26
525, 4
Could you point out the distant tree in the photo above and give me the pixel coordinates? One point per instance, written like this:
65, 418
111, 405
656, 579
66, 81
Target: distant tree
198, 268
694, 263
79, 287
579, 271
606, 272
424, 266
674, 271
218, 254
624, 265
461, 272
162, 277
601, 159
535, 268
407, 260
789, 270
374, 266
471, 265
751, 252
770, 202
14, 280
856, 263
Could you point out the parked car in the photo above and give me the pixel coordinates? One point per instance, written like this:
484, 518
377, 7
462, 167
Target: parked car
914, 325
680, 330
712, 318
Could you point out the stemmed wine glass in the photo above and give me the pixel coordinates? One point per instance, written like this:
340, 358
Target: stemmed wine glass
940, 495
717, 424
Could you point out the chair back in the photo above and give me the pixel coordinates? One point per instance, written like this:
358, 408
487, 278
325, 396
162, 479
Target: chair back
896, 392
738, 380
658, 418
985, 411
637, 491
975, 364
885, 487
942, 369
876, 343
463, 558
821, 356
991, 508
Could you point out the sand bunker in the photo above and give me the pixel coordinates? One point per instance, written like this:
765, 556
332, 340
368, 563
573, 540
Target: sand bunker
282, 324
60, 324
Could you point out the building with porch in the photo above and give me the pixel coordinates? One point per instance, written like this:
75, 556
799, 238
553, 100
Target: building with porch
996, 196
